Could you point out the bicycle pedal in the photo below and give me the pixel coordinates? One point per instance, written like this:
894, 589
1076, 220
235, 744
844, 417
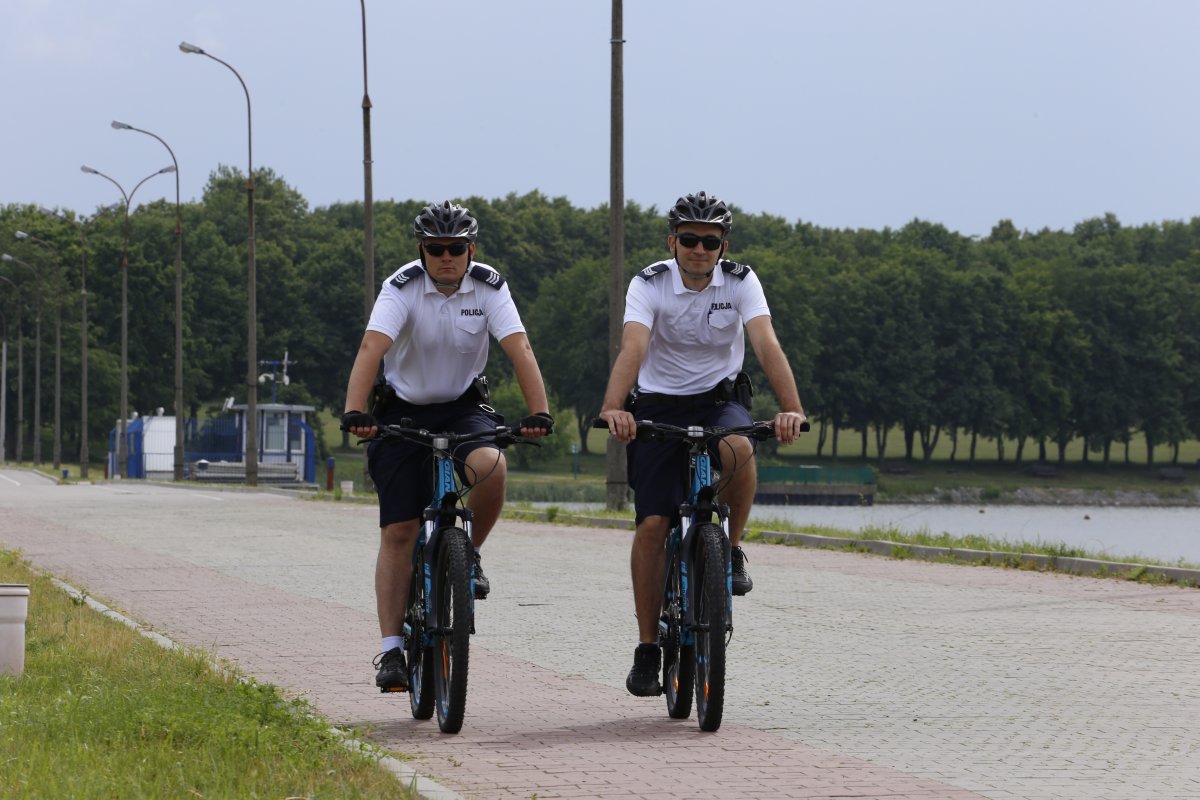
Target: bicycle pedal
394, 690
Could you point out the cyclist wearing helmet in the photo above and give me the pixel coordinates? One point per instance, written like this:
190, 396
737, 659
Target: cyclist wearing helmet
682, 348
430, 328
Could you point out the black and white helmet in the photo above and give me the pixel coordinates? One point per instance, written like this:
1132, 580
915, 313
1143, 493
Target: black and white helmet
700, 207
445, 221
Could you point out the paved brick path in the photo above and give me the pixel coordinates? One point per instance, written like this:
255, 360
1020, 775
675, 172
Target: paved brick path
851, 676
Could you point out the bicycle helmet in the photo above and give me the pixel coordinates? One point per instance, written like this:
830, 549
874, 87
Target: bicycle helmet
700, 207
445, 221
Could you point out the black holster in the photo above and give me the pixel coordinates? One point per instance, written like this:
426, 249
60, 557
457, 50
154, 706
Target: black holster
383, 398
743, 390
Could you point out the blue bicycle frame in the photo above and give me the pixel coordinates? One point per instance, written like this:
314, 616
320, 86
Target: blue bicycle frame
442, 513
698, 508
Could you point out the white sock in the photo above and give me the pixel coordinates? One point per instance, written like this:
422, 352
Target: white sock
392, 641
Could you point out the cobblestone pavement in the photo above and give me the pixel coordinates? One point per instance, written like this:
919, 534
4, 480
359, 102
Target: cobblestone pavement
850, 675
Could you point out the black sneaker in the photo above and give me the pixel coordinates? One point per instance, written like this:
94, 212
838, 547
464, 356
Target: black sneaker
742, 583
393, 671
643, 678
482, 584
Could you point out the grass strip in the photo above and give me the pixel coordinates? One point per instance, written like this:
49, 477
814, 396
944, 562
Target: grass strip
102, 711
971, 549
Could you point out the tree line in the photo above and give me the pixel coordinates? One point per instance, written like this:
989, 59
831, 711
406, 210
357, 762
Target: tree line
1034, 339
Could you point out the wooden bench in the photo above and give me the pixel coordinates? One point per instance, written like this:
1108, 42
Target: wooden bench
895, 467
1043, 470
235, 471
1171, 474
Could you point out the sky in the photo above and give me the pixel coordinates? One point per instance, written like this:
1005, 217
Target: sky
840, 113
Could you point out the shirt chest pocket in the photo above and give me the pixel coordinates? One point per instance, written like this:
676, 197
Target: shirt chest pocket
722, 326
470, 331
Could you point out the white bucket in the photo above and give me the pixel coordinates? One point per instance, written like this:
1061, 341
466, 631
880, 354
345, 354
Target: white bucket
347, 488
14, 607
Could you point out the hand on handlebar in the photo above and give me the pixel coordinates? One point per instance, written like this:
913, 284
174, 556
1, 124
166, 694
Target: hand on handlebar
789, 425
621, 424
360, 423
537, 425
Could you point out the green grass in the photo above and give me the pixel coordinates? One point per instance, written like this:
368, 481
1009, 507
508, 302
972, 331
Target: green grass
102, 711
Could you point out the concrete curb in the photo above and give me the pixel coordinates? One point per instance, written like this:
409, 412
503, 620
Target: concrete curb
1073, 566
426, 788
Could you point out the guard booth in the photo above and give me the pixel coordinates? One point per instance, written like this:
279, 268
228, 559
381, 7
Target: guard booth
149, 445
286, 446
215, 450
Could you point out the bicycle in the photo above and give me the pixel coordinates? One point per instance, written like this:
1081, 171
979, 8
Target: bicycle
439, 617
696, 622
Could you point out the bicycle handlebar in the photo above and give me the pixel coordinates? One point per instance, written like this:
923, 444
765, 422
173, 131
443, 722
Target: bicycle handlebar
502, 435
647, 429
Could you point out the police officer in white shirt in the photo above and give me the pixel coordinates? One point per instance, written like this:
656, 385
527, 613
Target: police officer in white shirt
683, 347
430, 327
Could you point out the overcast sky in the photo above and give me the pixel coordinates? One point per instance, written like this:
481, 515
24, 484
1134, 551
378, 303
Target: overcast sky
844, 113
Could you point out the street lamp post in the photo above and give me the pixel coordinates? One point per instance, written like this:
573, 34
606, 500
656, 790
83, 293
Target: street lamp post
4, 373
368, 190
122, 449
251, 291
57, 448
37, 374
84, 455
178, 303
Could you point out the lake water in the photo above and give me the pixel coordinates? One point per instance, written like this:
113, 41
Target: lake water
1116, 533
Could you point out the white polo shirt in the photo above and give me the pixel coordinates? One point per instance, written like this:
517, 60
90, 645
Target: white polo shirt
696, 338
439, 343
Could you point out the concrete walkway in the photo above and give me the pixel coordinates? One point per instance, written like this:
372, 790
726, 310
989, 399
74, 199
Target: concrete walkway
851, 675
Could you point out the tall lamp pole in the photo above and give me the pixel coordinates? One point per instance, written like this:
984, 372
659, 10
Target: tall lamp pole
57, 447
178, 302
615, 459
368, 191
37, 373
122, 449
4, 373
84, 455
251, 292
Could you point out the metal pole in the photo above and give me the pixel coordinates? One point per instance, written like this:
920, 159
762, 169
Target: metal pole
58, 375
368, 191
56, 449
251, 292
178, 452
615, 461
122, 449
4, 394
37, 371
4, 385
83, 350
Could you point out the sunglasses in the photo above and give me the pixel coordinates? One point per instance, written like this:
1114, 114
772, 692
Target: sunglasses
690, 240
436, 250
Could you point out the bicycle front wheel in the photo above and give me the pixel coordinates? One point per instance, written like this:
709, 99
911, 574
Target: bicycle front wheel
420, 657
678, 658
711, 559
451, 640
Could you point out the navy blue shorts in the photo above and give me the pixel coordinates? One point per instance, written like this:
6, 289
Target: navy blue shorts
658, 470
403, 471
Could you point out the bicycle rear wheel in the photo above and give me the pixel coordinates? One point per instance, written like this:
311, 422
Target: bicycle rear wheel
451, 641
678, 659
420, 657
711, 559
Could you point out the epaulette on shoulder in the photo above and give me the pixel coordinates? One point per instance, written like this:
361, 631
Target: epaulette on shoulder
406, 275
654, 269
735, 269
489, 276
